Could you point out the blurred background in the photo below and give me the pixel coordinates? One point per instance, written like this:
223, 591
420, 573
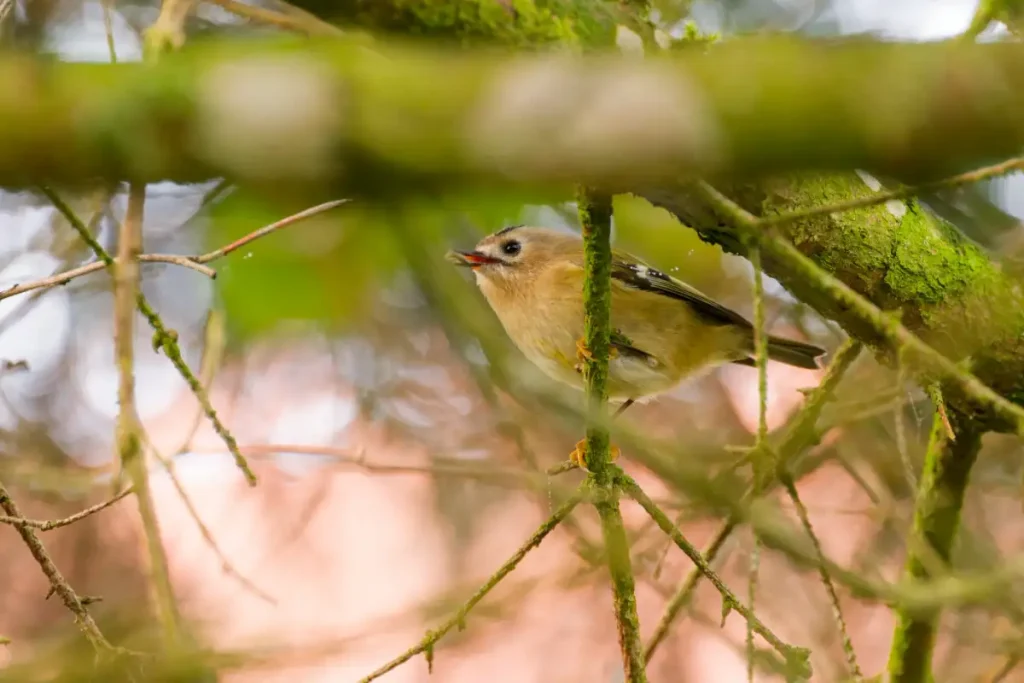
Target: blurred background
349, 362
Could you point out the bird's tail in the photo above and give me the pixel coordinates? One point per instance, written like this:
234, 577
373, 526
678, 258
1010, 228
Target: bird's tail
788, 351
795, 353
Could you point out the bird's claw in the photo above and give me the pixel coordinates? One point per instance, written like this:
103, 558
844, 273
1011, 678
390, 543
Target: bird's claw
578, 456
583, 354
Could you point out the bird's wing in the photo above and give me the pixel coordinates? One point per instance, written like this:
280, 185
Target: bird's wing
634, 273
624, 345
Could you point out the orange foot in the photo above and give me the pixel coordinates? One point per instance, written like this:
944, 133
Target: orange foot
583, 354
578, 456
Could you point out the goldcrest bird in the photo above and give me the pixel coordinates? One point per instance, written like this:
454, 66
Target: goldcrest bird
663, 330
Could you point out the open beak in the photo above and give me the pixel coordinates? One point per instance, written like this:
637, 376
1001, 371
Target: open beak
469, 259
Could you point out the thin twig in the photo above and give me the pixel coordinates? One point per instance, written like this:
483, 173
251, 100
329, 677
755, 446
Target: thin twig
58, 583
755, 566
267, 229
108, 28
729, 600
195, 263
162, 338
760, 454
685, 592
129, 432
851, 656
439, 466
49, 524
886, 327
67, 276
426, 646
183, 261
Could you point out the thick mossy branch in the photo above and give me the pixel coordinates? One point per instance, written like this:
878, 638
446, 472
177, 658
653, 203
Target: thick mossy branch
518, 23
936, 521
595, 212
905, 261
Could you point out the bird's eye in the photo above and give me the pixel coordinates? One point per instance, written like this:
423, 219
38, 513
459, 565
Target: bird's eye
511, 248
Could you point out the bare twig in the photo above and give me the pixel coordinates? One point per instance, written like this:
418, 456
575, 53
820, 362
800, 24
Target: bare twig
685, 592
68, 275
58, 583
426, 646
195, 263
49, 524
856, 674
760, 453
183, 261
108, 28
129, 433
439, 466
267, 229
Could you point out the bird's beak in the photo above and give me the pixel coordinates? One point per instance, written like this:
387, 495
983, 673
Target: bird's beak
469, 259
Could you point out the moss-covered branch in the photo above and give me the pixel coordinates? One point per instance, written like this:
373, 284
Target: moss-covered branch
596, 219
936, 521
907, 262
521, 23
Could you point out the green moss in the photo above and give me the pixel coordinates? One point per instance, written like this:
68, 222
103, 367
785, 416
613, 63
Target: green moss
847, 244
931, 262
518, 23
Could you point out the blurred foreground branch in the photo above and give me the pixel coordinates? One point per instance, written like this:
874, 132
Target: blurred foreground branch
528, 120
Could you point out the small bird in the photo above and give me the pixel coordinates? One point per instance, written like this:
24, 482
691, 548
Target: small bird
663, 330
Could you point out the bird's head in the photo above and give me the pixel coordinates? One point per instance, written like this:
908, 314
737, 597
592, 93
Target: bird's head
515, 255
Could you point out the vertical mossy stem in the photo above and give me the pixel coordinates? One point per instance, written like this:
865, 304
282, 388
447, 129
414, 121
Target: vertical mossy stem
940, 496
595, 212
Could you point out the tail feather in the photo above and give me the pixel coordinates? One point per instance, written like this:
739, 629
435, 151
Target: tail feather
796, 353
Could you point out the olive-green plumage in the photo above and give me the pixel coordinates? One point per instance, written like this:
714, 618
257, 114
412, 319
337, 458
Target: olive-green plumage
663, 329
